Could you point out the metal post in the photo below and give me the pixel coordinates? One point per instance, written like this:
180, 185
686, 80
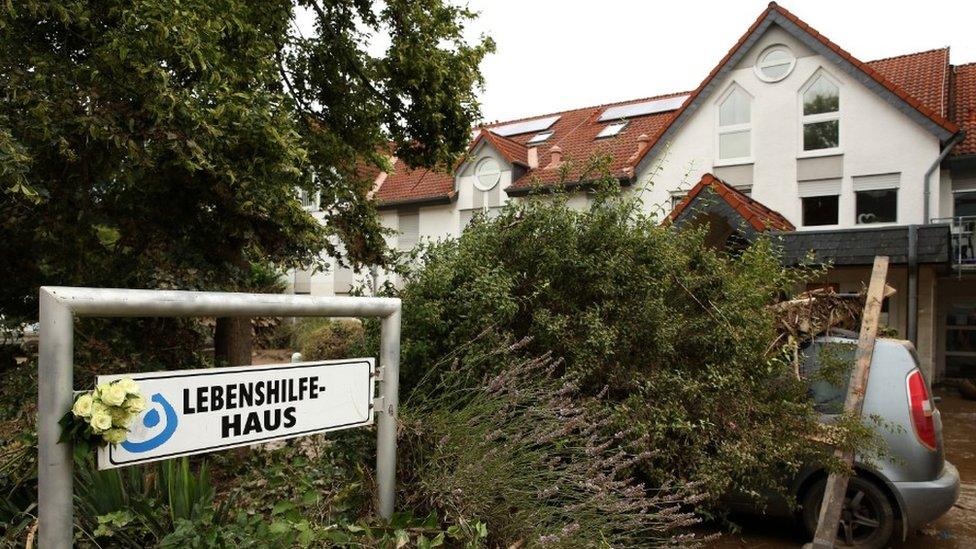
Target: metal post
59, 306
55, 376
386, 420
912, 325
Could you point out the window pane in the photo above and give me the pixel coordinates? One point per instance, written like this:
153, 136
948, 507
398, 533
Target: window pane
776, 58
820, 210
776, 72
821, 97
735, 109
960, 340
964, 204
409, 227
734, 145
877, 206
827, 369
821, 135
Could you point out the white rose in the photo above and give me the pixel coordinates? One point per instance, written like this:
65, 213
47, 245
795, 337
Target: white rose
115, 436
83, 406
113, 395
128, 385
135, 404
101, 421
121, 417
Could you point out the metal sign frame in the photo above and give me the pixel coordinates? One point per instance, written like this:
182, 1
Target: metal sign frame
55, 377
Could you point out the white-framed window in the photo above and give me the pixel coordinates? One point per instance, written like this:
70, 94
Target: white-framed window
820, 202
735, 125
876, 198
311, 201
775, 63
408, 225
820, 114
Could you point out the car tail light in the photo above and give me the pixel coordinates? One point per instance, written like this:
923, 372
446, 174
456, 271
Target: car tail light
922, 409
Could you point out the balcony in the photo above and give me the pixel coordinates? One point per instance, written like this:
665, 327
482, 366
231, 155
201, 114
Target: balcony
963, 238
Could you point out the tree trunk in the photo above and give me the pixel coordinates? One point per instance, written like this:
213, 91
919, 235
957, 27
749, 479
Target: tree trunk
232, 341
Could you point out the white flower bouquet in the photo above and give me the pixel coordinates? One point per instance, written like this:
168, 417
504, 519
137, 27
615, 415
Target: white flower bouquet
103, 416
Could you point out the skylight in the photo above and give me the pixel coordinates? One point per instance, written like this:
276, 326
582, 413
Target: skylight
640, 109
540, 137
517, 128
611, 130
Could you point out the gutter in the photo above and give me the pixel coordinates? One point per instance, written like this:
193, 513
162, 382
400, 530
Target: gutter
956, 139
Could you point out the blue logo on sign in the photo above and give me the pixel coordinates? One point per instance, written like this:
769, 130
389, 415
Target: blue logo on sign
151, 419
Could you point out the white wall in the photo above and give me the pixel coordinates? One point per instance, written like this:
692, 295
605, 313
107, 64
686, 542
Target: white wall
875, 138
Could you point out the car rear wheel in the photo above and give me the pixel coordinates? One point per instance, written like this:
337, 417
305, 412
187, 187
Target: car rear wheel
867, 520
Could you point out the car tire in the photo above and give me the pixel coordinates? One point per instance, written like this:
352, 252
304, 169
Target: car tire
867, 519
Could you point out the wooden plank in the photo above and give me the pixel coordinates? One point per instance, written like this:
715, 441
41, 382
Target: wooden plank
833, 501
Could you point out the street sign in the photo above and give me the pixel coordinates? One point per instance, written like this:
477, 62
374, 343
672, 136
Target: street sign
195, 411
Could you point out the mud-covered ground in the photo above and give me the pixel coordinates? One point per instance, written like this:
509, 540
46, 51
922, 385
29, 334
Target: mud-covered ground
955, 530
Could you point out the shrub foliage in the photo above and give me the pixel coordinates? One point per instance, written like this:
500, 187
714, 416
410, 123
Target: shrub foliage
676, 332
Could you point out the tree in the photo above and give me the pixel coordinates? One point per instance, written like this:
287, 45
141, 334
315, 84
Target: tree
160, 143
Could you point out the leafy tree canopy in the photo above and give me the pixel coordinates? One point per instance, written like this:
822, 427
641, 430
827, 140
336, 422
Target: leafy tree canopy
156, 143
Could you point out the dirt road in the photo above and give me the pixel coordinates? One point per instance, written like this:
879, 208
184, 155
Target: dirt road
955, 530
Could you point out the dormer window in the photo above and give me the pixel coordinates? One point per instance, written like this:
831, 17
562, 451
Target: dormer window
612, 129
821, 114
735, 125
540, 137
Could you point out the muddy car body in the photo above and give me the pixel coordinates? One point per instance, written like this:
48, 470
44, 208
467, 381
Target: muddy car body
890, 497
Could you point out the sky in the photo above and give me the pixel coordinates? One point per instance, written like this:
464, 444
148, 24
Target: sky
557, 55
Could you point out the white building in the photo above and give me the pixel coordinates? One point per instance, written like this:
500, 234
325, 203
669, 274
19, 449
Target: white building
845, 158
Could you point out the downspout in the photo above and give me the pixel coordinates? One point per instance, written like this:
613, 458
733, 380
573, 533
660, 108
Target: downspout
955, 140
913, 285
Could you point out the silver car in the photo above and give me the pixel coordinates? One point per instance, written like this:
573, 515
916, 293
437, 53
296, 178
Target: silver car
892, 497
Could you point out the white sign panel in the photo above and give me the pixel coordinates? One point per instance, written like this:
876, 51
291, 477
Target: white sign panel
196, 411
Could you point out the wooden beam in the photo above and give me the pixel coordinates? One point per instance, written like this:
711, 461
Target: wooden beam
833, 500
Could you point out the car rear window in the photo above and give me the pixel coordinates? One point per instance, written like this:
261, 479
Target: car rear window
827, 368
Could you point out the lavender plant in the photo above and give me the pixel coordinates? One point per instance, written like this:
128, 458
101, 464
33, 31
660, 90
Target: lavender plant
522, 452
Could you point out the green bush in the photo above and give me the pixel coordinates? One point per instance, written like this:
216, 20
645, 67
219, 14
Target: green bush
323, 339
676, 332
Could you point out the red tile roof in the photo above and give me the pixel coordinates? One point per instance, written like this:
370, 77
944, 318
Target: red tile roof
920, 79
513, 151
923, 75
407, 186
576, 135
754, 212
965, 107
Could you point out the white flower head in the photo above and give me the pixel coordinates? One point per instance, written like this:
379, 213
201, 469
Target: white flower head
83, 406
113, 395
115, 436
128, 385
135, 404
101, 422
121, 417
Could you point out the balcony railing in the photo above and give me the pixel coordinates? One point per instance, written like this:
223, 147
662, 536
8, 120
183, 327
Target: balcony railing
963, 234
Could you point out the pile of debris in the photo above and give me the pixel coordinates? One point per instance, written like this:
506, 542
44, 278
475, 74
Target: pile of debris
817, 312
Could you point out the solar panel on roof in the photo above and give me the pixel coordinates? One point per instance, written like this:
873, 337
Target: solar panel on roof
540, 137
516, 128
640, 109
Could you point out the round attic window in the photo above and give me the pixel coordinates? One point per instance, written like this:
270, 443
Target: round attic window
775, 63
487, 174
